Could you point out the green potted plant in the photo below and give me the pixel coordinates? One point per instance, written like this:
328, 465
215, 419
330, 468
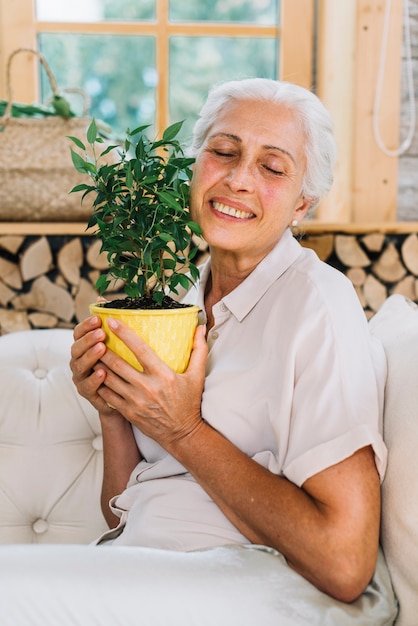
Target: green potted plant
141, 215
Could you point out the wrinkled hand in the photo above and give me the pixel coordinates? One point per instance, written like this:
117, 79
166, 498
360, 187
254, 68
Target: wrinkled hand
164, 405
87, 350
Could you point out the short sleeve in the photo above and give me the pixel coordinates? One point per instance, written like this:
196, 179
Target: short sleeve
339, 378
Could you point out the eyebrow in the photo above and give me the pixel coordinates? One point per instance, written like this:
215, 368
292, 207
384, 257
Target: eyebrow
266, 147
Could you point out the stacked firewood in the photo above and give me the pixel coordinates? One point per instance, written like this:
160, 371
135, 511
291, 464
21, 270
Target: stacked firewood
42, 286
48, 281
377, 264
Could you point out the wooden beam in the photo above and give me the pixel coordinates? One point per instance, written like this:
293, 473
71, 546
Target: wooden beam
162, 65
356, 228
17, 29
308, 227
375, 175
335, 85
296, 42
197, 29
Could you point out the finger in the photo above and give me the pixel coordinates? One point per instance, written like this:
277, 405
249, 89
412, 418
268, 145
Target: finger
86, 352
87, 325
199, 353
89, 342
145, 355
115, 386
89, 386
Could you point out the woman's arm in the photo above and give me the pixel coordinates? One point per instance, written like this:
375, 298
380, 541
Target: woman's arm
120, 452
328, 529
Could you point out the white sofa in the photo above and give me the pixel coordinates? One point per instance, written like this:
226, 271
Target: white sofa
51, 468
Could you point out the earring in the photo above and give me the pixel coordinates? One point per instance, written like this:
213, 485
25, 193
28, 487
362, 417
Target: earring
294, 223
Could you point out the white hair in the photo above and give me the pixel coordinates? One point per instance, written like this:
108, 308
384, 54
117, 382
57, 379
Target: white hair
320, 148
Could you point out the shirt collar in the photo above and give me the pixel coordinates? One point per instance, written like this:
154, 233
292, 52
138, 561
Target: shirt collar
243, 299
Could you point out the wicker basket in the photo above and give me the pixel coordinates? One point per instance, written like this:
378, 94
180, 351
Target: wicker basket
36, 170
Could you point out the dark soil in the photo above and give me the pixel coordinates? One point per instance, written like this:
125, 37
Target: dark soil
144, 303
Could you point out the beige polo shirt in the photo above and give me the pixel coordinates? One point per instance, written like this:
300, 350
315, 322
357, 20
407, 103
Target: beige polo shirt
293, 379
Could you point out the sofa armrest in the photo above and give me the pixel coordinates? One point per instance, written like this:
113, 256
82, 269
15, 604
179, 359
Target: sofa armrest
396, 325
50, 444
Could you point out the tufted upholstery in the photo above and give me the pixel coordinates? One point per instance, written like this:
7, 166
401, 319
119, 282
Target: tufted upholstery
50, 444
51, 469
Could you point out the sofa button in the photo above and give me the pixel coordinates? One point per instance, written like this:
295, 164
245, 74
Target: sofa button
40, 526
40, 372
97, 443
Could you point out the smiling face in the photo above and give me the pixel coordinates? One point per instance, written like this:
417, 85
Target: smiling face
247, 179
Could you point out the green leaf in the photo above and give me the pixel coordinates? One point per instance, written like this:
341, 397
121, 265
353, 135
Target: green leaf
108, 149
102, 283
194, 271
92, 132
165, 236
169, 264
82, 188
77, 142
80, 164
140, 129
183, 280
172, 131
158, 297
129, 177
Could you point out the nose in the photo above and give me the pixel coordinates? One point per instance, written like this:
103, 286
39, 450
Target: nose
240, 177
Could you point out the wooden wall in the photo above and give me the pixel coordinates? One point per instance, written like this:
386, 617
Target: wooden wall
408, 162
370, 186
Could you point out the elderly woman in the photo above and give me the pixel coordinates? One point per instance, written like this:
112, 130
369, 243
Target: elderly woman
270, 440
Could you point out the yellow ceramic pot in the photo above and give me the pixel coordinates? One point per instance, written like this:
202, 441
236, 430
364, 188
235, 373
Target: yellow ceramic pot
169, 332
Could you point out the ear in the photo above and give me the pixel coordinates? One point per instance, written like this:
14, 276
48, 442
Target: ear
301, 208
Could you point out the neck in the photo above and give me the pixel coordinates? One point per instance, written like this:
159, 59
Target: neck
227, 273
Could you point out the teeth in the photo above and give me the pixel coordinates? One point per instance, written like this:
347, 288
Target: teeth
228, 210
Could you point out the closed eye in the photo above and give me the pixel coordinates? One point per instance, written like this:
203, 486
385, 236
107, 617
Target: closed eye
273, 171
224, 154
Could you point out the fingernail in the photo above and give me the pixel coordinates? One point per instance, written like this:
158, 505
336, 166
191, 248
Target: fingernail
112, 323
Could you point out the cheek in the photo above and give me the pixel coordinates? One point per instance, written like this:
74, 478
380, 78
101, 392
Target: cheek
271, 200
205, 171
195, 199
279, 201
201, 181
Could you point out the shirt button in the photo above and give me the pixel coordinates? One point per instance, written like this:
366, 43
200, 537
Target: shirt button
224, 308
215, 335
40, 526
40, 373
97, 443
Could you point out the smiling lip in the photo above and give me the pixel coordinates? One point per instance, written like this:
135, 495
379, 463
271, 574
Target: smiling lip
229, 210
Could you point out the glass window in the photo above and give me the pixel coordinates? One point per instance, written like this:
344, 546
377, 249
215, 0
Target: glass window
260, 12
117, 72
188, 89
153, 63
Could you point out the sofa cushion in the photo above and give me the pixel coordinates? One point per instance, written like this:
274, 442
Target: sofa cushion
50, 444
396, 325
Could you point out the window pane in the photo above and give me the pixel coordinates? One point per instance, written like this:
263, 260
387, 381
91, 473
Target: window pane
189, 86
118, 73
260, 12
94, 10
